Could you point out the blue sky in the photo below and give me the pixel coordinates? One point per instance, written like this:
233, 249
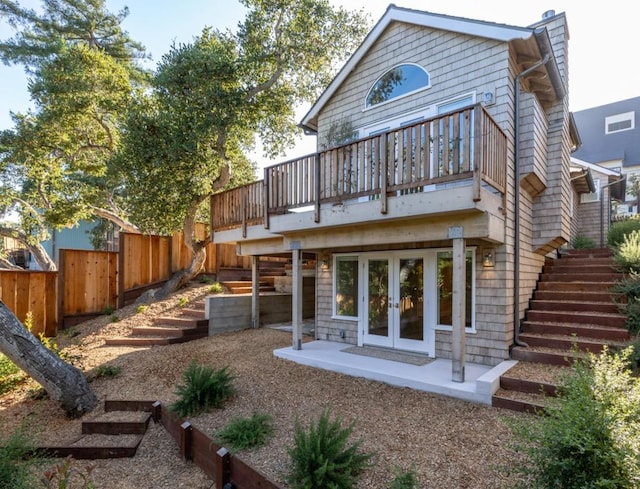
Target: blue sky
603, 65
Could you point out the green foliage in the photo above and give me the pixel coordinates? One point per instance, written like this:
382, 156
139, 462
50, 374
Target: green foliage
105, 370
16, 450
215, 288
618, 230
629, 286
183, 301
10, 375
203, 388
108, 310
627, 256
404, 479
114, 318
205, 279
244, 433
70, 332
65, 476
590, 435
582, 242
322, 458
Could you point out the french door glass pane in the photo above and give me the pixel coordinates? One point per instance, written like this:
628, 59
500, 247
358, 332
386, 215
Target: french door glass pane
445, 288
411, 302
378, 297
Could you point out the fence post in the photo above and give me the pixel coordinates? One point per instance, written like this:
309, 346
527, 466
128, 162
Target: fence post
121, 269
223, 468
156, 411
186, 440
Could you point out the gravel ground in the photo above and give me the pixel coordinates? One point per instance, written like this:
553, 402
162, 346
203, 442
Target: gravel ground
452, 443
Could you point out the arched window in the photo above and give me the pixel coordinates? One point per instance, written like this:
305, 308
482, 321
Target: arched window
398, 81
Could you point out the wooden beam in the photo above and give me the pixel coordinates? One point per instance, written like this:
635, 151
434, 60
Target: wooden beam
458, 339
255, 291
296, 300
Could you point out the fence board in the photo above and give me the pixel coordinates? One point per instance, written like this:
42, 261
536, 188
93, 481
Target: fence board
36, 292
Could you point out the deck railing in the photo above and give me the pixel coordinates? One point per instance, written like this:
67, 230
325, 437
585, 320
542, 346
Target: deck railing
463, 144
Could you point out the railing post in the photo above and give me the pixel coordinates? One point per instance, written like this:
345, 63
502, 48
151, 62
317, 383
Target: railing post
266, 191
479, 142
384, 172
316, 216
243, 210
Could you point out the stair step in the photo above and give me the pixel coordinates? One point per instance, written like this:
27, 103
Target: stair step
549, 356
249, 290
184, 322
581, 330
591, 252
587, 260
562, 342
127, 424
169, 331
518, 401
144, 341
582, 268
602, 319
577, 296
94, 447
193, 312
567, 305
585, 286
529, 386
581, 277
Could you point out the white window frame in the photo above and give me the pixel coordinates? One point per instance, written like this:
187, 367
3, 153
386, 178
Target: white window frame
591, 196
334, 280
399, 97
613, 119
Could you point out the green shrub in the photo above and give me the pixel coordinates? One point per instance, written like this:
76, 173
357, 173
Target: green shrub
404, 479
10, 375
65, 476
183, 301
630, 288
203, 388
582, 242
205, 279
16, 451
108, 310
627, 256
321, 458
215, 288
105, 370
141, 308
243, 433
618, 230
589, 436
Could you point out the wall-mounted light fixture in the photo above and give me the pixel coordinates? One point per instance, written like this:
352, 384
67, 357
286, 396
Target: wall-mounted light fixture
325, 260
488, 257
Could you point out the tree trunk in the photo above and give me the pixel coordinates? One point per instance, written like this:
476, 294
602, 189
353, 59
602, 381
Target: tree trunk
63, 382
7, 265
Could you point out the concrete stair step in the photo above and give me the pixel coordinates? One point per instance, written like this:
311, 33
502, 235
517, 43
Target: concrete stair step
605, 333
568, 305
604, 319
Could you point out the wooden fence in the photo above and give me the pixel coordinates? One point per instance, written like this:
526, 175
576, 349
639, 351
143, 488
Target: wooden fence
90, 282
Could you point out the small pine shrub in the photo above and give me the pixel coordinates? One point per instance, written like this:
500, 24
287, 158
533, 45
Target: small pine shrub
321, 457
627, 257
590, 435
582, 242
16, 450
404, 479
244, 433
203, 388
618, 230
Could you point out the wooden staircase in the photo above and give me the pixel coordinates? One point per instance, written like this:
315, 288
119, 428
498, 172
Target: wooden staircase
572, 312
189, 325
238, 280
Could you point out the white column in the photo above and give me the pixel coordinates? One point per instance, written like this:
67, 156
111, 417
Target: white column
296, 299
255, 291
459, 309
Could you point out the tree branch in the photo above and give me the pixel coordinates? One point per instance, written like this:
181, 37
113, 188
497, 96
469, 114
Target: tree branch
116, 219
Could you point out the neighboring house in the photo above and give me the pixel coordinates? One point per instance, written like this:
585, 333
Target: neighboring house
611, 138
442, 209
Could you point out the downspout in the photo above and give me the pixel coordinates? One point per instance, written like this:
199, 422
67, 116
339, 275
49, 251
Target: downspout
602, 187
516, 219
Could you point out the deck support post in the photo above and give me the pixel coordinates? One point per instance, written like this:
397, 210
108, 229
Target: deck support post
255, 291
296, 299
458, 339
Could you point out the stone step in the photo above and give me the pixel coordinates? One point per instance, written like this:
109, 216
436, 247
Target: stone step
605, 333
566, 305
602, 319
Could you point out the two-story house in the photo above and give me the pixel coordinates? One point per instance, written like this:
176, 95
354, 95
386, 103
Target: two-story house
431, 216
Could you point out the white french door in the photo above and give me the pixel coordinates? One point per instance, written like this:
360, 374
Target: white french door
395, 311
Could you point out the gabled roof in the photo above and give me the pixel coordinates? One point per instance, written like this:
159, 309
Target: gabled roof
597, 146
616, 181
532, 42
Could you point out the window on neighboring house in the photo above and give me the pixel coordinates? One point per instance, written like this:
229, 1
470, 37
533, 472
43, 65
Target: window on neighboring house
345, 287
619, 122
397, 82
592, 196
